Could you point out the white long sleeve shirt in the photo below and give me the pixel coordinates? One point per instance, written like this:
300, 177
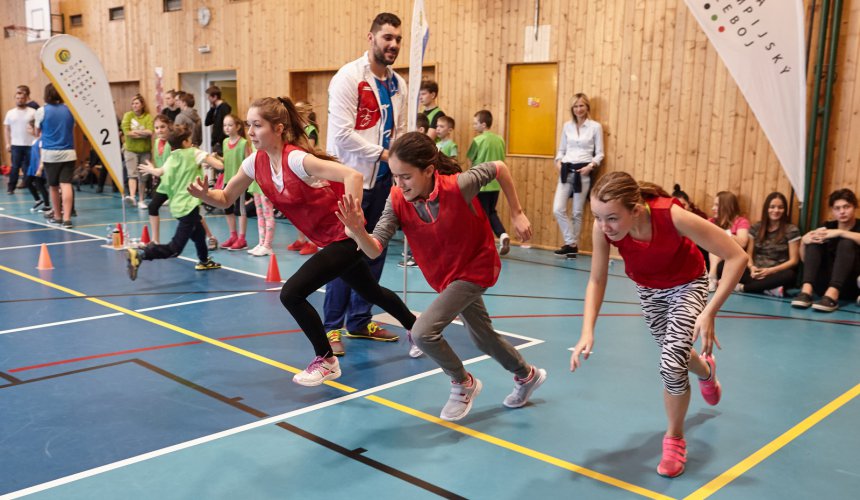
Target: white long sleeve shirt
581, 146
355, 120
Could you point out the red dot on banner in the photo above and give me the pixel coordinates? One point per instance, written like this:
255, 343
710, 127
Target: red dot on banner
722, 28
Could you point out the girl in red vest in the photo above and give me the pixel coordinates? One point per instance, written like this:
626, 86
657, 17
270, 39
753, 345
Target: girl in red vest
452, 243
305, 186
657, 239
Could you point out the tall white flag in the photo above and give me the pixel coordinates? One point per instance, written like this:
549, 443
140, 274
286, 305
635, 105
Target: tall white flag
762, 45
420, 35
80, 79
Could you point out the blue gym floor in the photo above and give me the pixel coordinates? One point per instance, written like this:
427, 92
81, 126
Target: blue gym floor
178, 385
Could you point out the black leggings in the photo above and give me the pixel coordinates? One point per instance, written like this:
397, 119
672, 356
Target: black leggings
488, 200
190, 228
834, 263
156, 202
37, 188
786, 278
341, 259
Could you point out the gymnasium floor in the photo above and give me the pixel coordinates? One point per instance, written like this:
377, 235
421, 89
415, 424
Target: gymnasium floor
178, 385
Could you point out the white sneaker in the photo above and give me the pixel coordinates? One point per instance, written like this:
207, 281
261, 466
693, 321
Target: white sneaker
414, 350
504, 244
460, 400
263, 251
142, 205
712, 283
318, 372
131, 201
252, 250
523, 390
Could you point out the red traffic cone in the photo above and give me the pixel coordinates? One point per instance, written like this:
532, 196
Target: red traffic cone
121, 237
45, 263
273, 275
144, 237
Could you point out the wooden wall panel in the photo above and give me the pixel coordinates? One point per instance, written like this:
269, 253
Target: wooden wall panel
670, 110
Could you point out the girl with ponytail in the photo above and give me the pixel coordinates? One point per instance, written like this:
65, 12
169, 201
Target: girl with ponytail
305, 185
657, 239
437, 207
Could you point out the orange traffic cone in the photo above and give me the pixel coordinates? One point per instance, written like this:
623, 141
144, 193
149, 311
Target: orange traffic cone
273, 275
121, 237
45, 260
144, 238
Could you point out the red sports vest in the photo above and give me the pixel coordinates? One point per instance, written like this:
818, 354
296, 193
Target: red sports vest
310, 209
669, 259
457, 245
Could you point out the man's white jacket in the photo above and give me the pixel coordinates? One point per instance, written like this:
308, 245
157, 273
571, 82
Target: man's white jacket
355, 119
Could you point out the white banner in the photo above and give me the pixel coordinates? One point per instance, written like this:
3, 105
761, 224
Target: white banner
761, 43
420, 35
80, 79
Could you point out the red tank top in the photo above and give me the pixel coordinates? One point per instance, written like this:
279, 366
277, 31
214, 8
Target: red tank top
669, 259
310, 209
457, 245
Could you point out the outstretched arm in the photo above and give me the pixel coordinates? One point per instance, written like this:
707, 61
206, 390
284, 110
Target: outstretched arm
594, 293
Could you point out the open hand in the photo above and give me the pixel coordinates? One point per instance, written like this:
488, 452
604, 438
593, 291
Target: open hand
200, 188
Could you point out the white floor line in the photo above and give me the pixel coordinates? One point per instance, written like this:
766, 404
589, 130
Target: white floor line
111, 315
236, 430
45, 224
52, 244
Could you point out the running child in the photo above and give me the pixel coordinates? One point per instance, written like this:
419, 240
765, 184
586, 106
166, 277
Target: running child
657, 239
452, 242
180, 169
305, 186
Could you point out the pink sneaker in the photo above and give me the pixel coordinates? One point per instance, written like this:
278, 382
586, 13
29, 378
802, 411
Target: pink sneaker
710, 387
239, 244
674, 457
227, 244
295, 246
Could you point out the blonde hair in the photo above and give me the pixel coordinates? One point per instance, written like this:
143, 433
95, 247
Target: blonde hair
585, 101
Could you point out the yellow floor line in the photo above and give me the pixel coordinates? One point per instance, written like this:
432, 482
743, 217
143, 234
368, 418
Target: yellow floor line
382, 401
543, 457
769, 449
178, 329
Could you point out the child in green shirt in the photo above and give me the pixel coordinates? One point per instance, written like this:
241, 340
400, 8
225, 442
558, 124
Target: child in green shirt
486, 147
180, 170
444, 133
427, 94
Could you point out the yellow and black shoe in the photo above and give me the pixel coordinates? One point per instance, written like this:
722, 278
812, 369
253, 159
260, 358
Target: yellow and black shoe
134, 257
207, 265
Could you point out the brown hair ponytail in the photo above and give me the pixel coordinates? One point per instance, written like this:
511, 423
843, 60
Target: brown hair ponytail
281, 110
623, 187
420, 151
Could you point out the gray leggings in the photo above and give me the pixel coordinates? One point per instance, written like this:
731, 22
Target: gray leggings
464, 299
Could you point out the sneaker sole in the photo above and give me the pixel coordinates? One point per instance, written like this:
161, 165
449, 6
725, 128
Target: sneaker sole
132, 269
821, 308
800, 305
369, 337
330, 376
673, 475
541, 379
478, 388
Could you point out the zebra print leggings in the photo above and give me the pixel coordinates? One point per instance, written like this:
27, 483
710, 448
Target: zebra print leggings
671, 315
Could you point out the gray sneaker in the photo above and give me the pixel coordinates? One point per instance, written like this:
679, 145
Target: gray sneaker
523, 390
460, 401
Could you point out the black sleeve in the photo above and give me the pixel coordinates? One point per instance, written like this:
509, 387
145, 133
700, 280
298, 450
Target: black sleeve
210, 116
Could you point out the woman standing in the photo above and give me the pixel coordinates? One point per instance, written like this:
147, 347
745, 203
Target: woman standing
137, 127
580, 151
